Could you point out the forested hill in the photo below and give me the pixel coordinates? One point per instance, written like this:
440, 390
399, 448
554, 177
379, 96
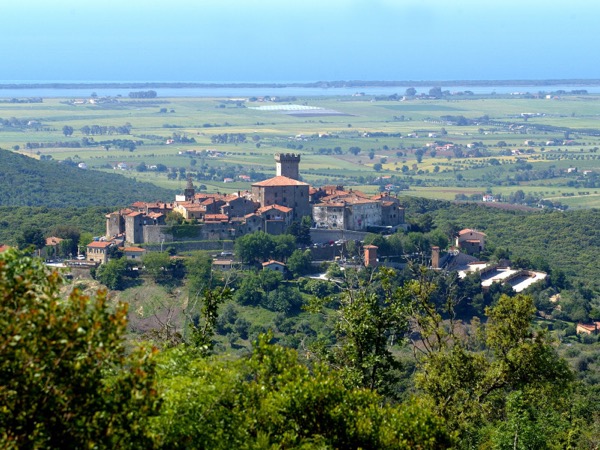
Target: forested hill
567, 241
26, 181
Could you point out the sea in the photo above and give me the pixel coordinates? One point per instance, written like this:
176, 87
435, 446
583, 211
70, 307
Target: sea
288, 91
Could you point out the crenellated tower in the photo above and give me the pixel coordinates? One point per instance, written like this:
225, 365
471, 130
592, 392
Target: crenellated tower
288, 165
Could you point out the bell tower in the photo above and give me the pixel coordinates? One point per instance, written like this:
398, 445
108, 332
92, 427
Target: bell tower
287, 165
189, 191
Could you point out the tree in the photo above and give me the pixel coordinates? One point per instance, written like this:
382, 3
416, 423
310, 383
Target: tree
158, 266
67, 130
471, 388
410, 92
300, 262
113, 274
285, 244
255, 247
66, 378
377, 167
372, 316
354, 150
301, 230
68, 233
419, 155
271, 400
31, 237
435, 92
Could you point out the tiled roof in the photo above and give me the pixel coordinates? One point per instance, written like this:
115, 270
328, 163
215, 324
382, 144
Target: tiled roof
330, 205
469, 230
280, 181
133, 249
272, 261
99, 244
284, 209
217, 217
53, 240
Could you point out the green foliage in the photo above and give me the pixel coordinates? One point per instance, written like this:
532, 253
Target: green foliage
204, 311
28, 182
199, 273
301, 230
300, 262
162, 269
31, 237
272, 401
113, 274
65, 379
372, 316
254, 247
519, 373
185, 230
285, 244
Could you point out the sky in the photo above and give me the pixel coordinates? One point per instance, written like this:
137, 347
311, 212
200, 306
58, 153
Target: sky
297, 40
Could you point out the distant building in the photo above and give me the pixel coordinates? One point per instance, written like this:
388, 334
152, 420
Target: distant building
97, 251
133, 253
471, 241
274, 265
284, 191
591, 328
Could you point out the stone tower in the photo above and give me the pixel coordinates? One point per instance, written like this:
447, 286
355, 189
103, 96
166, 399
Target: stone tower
287, 165
189, 191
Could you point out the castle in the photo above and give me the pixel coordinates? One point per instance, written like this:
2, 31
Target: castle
271, 206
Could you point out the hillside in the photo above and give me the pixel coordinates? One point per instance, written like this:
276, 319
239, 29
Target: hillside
566, 241
26, 181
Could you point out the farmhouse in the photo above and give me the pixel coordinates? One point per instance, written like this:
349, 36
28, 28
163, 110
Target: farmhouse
472, 241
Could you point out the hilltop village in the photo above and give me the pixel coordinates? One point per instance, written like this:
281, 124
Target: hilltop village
271, 206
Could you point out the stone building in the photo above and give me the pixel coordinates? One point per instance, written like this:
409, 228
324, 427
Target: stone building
287, 165
283, 191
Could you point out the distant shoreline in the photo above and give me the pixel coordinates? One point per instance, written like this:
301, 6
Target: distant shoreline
316, 84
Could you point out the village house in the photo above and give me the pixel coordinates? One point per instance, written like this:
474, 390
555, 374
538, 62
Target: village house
133, 253
591, 328
277, 266
97, 251
471, 241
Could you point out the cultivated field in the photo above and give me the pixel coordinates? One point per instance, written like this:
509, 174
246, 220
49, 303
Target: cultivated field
459, 147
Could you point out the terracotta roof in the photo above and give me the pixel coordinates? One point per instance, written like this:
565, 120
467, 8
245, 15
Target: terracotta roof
53, 240
280, 181
284, 209
99, 244
469, 230
134, 214
133, 249
272, 261
331, 205
155, 215
216, 217
591, 327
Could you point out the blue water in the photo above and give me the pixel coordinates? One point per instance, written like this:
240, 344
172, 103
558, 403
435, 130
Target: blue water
233, 92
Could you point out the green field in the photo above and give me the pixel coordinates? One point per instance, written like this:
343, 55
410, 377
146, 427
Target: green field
401, 142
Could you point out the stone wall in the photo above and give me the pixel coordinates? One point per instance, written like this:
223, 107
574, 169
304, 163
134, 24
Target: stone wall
321, 236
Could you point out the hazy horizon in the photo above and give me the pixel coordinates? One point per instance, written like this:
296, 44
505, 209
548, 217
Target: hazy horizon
229, 41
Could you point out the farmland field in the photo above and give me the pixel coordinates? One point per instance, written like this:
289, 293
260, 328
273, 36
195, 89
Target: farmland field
522, 150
